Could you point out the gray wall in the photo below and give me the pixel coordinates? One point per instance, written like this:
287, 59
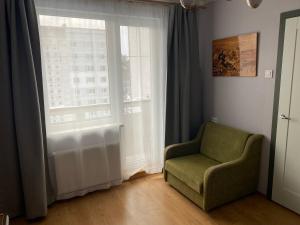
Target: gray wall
245, 103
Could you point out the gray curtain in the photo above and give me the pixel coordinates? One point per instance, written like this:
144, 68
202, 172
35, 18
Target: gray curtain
183, 106
23, 163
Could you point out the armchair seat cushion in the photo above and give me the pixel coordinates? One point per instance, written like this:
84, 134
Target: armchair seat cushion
190, 169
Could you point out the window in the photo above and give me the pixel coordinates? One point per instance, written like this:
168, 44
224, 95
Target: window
103, 90
92, 91
104, 63
101, 56
135, 51
102, 68
89, 68
75, 80
103, 80
77, 92
92, 101
69, 46
90, 79
78, 75
56, 119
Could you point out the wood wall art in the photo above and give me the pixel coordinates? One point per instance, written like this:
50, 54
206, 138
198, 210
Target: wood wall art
235, 56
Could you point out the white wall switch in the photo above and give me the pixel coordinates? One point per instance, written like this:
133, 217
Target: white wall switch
269, 74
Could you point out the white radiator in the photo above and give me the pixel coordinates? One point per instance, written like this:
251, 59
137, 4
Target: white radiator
85, 161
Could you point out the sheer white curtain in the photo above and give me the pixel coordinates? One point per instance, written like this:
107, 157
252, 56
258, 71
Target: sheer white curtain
104, 67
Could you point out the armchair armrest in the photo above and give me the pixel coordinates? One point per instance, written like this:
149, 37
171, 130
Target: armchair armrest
178, 150
183, 149
231, 180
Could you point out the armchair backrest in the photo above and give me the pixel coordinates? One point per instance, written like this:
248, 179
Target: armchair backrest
222, 143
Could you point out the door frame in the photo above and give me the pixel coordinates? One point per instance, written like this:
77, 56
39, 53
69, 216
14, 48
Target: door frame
283, 17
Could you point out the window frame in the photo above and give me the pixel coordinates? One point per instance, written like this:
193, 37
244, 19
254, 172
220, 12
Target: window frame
113, 56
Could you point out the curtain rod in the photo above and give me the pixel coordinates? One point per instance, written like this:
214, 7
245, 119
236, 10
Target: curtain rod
162, 2
166, 2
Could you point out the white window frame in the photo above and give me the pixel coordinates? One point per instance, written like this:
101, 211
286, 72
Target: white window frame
113, 60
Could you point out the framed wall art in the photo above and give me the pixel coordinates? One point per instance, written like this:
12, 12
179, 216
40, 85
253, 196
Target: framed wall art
235, 56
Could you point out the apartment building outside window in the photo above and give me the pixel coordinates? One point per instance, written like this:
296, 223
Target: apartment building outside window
76, 65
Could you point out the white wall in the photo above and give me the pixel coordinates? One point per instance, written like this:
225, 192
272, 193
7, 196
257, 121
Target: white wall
245, 103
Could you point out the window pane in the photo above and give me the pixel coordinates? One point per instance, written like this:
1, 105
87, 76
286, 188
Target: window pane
146, 77
136, 70
145, 40
135, 76
134, 41
75, 66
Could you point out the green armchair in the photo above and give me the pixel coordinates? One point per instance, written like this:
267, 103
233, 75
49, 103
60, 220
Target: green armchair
219, 166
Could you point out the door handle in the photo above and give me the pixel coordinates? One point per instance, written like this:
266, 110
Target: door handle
284, 117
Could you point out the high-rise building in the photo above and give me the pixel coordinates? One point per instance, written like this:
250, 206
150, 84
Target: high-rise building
76, 72
75, 65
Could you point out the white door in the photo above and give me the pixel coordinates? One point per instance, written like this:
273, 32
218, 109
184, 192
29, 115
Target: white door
286, 184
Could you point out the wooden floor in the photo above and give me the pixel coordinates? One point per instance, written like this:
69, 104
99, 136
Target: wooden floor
150, 201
